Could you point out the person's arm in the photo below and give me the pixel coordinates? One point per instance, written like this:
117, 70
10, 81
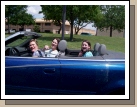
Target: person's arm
80, 54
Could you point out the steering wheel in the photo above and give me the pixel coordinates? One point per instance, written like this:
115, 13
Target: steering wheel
14, 52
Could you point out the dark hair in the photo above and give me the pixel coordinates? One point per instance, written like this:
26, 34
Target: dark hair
58, 40
87, 43
34, 40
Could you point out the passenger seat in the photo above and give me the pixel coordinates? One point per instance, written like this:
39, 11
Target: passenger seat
95, 51
102, 50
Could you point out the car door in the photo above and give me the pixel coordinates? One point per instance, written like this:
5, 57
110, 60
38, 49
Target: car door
82, 75
29, 75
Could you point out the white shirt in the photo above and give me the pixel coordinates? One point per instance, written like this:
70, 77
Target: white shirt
51, 53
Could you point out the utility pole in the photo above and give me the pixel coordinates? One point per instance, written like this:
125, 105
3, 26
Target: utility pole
63, 21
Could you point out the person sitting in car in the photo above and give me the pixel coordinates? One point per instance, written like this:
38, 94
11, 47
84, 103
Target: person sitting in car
53, 52
36, 52
46, 47
85, 49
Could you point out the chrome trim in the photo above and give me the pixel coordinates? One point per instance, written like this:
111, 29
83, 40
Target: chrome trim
31, 57
32, 65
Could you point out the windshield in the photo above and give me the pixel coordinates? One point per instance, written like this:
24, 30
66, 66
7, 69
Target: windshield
18, 40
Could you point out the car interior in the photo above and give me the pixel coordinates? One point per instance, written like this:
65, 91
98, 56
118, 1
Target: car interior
23, 50
98, 51
14, 48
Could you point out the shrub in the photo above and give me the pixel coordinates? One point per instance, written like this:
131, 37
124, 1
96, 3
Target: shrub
36, 28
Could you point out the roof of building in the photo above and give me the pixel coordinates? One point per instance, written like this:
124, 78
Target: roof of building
43, 21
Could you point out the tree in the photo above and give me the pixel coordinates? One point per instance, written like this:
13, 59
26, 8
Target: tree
54, 13
87, 15
80, 16
77, 15
98, 19
36, 28
22, 19
11, 11
113, 18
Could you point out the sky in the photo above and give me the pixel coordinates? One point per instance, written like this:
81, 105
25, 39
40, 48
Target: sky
34, 10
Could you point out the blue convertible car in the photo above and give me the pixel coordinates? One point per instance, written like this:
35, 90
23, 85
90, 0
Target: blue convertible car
66, 74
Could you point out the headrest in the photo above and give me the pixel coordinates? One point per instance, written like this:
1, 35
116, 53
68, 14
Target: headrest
102, 49
62, 45
96, 46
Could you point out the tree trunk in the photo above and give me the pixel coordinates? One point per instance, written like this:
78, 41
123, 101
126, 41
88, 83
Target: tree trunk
71, 33
111, 31
96, 31
76, 31
59, 30
22, 28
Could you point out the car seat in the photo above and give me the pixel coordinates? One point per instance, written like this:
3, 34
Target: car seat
95, 51
62, 46
102, 50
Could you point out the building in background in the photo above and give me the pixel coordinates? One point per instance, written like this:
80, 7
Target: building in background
115, 33
49, 26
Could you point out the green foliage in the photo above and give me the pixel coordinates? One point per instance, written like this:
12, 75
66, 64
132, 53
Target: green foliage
77, 15
22, 19
113, 18
13, 10
52, 12
17, 15
36, 28
86, 14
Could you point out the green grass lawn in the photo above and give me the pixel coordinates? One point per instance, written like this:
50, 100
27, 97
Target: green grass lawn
112, 43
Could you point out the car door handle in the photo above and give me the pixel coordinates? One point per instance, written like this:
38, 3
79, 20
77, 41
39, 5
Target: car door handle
49, 70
